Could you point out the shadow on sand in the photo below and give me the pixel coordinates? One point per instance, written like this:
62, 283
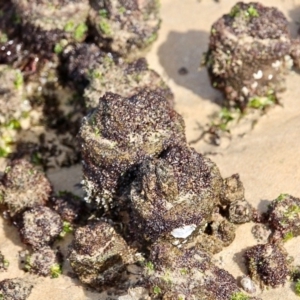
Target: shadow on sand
181, 55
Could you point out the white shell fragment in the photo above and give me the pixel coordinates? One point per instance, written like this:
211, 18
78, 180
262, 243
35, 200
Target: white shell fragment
184, 231
276, 64
248, 285
258, 75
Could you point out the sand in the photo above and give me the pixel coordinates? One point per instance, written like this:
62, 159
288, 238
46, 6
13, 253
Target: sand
266, 157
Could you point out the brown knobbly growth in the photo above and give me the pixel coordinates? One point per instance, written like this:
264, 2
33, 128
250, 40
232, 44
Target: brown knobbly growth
99, 255
118, 135
261, 232
188, 274
15, 289
86, 66
23, 186
283, 216
4, 263
233, 189
44, 262
48, 26
78, 63
174, 195
268, 264
123, 78
222, 229
70, 207
240, 212
40, 226
125, 27
249, 54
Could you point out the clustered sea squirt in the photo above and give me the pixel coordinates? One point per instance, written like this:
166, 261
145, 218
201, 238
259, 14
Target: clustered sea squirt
136, 160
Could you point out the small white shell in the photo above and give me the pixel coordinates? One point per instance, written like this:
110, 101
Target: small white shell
245, 91
258, 75
248, 285
184, 231
276, 64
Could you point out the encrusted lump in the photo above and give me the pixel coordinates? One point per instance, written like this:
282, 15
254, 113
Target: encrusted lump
40, 226
70, 207
78, 60
249, 54
88, 67
174, 195
118, 135
124, 79
268, 264
12, 98
49, 25
44, 262
240, 211
283, 217
233, 190
187, 274
124, 26
15, 289
23, 186
99, 255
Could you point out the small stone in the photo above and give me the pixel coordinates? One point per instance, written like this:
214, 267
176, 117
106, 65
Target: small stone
248, 285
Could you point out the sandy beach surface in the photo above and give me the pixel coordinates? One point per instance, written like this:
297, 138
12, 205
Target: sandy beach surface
266, 156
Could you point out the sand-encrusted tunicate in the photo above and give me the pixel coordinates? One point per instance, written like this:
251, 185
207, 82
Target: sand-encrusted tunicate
44, 262
15, 289
23, 186
99, 255
233, 189
118, 135
124, 79
99, 72
47, 25
40, 226
283, 216
78, 61
174, 195
4, 263
187, 274
70, 207
124, 26
240, 212
222, 229
268, 264
249, 54
12, 98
